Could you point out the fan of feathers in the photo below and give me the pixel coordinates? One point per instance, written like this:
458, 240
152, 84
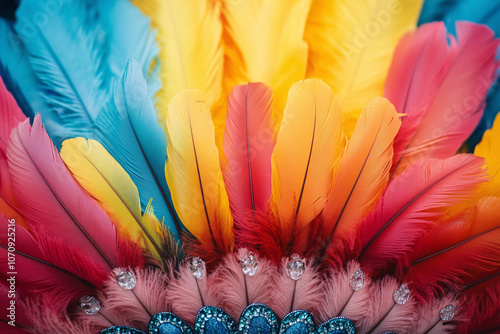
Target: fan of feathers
162, 156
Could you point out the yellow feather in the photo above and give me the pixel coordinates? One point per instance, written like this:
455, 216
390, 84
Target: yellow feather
191, 52
264, 43
351, 45
193, 172
363, 170
309, 142
488, 149
108, 183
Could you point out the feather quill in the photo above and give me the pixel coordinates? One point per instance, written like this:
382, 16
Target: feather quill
412, 204
459, 102
309, 142
281, 58
351, 45
363, 169
248, 145
193, 172
67, 56
128, 130
190, 42
106, 181
41, 180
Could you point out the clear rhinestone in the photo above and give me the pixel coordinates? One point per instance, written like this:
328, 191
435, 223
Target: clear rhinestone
249, 265
126, 280
402, 294
197, 267
295, 267
89, 305
448, 312
357, 280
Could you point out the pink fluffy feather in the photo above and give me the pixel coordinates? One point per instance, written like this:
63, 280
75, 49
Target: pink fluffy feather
412, 204
248, 145
428, 319
41, 181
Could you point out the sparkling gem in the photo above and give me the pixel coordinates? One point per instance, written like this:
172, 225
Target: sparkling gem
126, 280
402, 294
295, 267
89, 305
357, 280
249, 265
448, 312
197, 267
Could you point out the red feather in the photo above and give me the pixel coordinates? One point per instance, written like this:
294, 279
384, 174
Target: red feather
412, 204
50, 197
248, 146
459, 101
34, 272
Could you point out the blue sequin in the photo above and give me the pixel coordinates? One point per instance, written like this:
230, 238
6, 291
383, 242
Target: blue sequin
259, 325
121, 330
213, 320
339, 325
168, 329
168, 323
297, 322
258, 319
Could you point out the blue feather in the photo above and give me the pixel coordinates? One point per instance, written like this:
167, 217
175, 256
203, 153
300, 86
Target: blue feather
66, 50
128, 129
436, 10
16, 71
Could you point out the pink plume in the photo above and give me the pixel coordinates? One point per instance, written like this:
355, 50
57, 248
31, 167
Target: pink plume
50, 196
419, 65
248, 145
187, 294
411, 205
481, 311
459, 101
428, 320
35, 273
302, 294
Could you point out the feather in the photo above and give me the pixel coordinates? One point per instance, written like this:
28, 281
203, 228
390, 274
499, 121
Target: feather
481, 314
427, 54
193, 172
428, 319
241, 290
281, 56
309, 142
459, 101
10, 116
106, 181
351, 45
128, 130
188, 294
190, 41
456, 265
32, 270
363, 169
486, 149
248, 145
67, 57
436, 10
11, 314
41, 180
16, 71
412, 204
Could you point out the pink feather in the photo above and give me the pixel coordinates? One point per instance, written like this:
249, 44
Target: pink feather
459, 102
21, 320
50, 196
481, 312
34, 272
428, 320
412, 204
248, 146
419, 65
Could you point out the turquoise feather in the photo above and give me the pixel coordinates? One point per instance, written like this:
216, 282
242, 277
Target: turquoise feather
128, 129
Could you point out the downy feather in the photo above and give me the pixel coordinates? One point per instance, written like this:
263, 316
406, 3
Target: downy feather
67, 53
459, 102
106, 181
248, 145
363, 169
128, 130
413, 203
193, 172
351, 45
259, 49
41, 180
190, 42
309, 142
